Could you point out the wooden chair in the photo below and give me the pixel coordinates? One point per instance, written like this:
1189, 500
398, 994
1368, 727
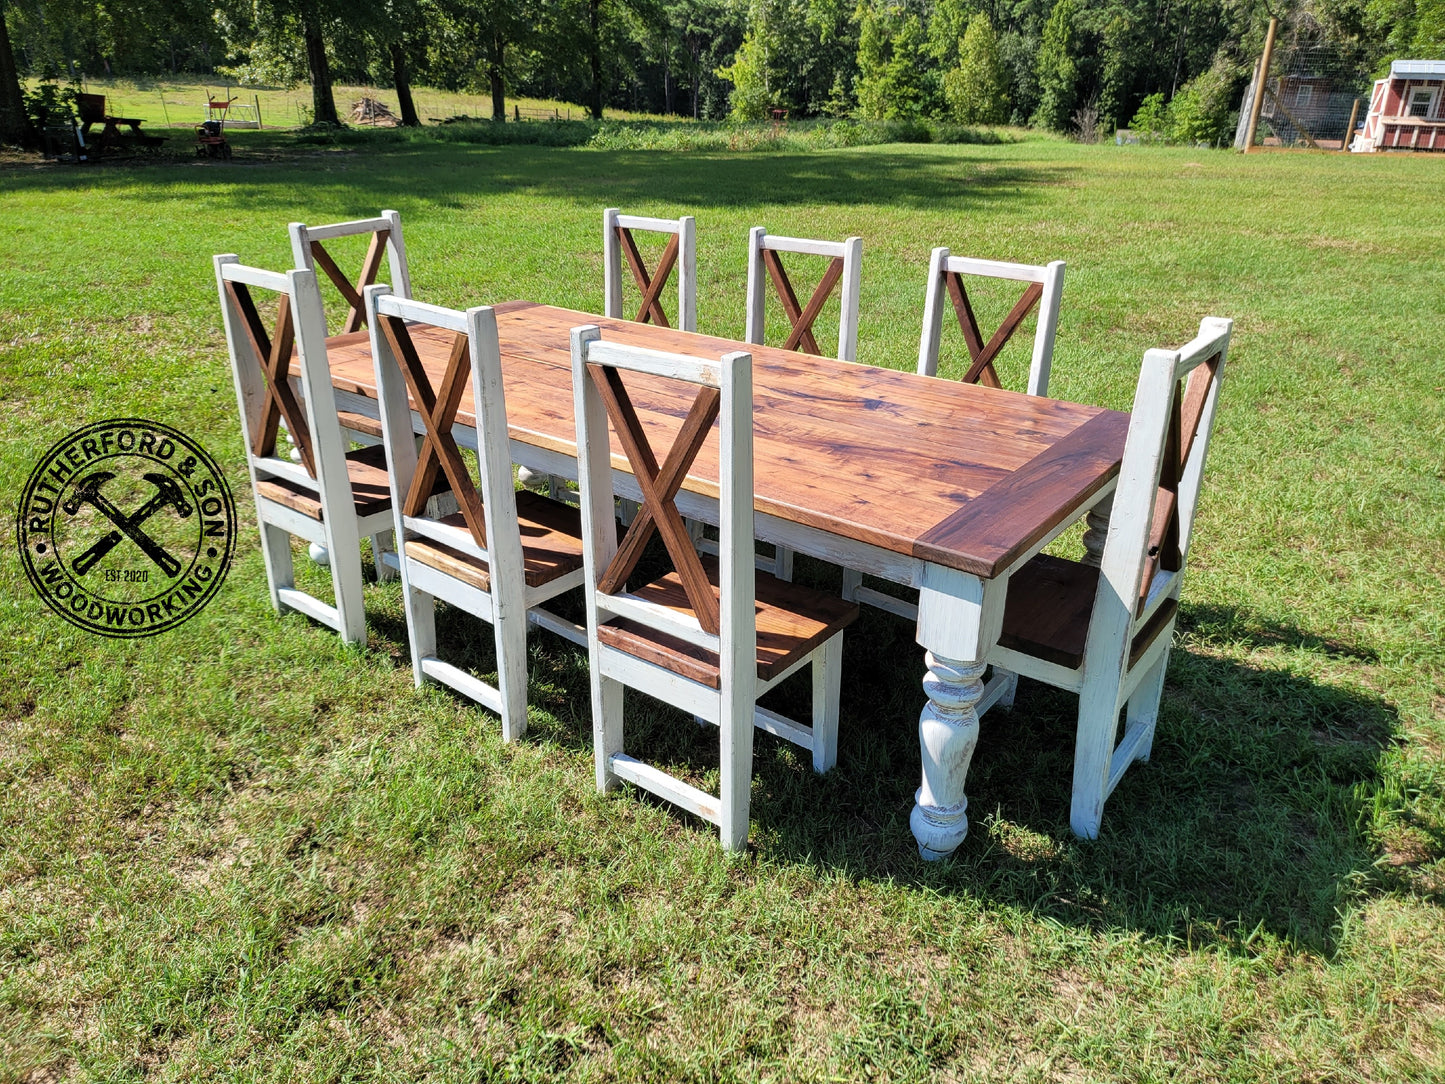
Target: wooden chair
331, 497
680, 253
1103, 627
310, 253
503, 553
945, 275
845, 265
709, 638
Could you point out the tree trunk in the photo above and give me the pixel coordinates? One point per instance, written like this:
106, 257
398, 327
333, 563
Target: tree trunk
402, 81
594, 58
499, 93
323, 103
496, 65
14, 124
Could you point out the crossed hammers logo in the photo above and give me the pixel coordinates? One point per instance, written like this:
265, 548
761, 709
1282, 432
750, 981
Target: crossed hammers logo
167, 494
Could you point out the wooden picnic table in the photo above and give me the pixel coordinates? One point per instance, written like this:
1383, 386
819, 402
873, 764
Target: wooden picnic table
93, 112
933, 484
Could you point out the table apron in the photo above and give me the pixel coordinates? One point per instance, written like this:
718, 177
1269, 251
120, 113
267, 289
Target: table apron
959, 615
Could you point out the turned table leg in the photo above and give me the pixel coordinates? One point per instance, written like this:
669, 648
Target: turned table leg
947, 735
959, 620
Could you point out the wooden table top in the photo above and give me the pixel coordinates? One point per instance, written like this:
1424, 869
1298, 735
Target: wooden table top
959, 475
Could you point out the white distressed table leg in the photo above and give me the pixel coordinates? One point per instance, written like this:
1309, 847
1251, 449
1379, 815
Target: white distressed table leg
959, 620
947, 735
1096, 531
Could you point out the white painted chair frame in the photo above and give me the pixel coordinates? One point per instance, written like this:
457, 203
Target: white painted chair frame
850, 252
1106, 682
733, 706
1050, 277
340, 529
685, 229
389, 222
510, 603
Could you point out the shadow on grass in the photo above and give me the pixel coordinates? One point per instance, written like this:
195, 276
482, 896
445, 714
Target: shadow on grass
416, 179
1246, 820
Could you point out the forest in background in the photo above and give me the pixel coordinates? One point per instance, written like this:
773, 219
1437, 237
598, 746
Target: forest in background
1080, 66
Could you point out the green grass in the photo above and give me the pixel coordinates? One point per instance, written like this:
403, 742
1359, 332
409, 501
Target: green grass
242, 851
181, 102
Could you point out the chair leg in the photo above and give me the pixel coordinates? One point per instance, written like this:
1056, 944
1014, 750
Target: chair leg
381, 544
1006, 698
346, 584
783, 563
1094, 750
827, 687
1143, 708
276, 550
421, 626
852, 580
736, 769
606, 726
511, 636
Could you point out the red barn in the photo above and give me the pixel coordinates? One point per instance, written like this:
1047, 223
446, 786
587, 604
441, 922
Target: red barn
1407, 110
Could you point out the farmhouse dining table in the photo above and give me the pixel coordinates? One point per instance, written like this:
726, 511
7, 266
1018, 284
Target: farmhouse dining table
932, 484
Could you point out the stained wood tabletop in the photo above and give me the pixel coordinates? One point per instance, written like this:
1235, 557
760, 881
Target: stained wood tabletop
960, 475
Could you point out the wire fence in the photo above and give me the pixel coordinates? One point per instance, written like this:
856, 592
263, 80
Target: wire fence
1310, 91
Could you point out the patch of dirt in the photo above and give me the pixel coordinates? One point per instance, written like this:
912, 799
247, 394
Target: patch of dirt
50, 1074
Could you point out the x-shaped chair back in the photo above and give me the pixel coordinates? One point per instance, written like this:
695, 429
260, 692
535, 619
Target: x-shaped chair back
723, 389
1043, 290
1159, 479
844, 264
680, 254
386, 240
261, 366
436, 402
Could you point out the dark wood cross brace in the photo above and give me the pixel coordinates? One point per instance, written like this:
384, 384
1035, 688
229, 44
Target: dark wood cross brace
650, 284
438, 410
800, 318
1164, 547
273, 354
983, 354
659, 487
356, 317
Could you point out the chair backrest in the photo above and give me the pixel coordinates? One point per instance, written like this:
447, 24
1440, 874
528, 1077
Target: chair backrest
845, 264
1158, 489
945, 275
309, 252
721, 620
261, 368
680, 252
91, 108
469, 340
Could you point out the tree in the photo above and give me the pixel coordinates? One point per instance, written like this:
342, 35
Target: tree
14, 124
752, 96
975, 89
891, 64
323, 100
401, 80
1058, 72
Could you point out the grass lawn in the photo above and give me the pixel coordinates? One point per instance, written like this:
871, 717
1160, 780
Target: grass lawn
239, 850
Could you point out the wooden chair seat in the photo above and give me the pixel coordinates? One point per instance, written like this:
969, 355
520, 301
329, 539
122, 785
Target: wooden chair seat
791, 622
1050, 603
360, 423
551, 544
370, 488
